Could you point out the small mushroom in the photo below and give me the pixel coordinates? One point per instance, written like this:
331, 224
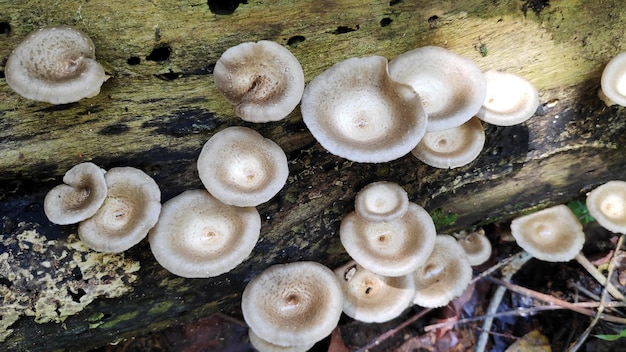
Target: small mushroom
55, 65
369, 297
199, 236
613, 81
510, 99
553, 234
452, 87
293, 304
80, 196
444, 276
356, 111
130, 209
607, 204
381, 201
266, 346
263, 80
389, 248
452, 147
476, 245
240, 167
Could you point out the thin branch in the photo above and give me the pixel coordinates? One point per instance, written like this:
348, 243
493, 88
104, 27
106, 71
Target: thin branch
593, 271
393, 331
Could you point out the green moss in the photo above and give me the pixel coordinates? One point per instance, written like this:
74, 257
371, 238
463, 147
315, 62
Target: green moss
160, 307
120, 318
442, 219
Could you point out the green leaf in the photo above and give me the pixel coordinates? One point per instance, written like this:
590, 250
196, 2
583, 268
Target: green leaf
612, 337
580, 209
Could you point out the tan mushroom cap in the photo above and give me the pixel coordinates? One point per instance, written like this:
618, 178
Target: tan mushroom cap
356, 111
369, 297
613, 81
389, 248
553, 234
80, 196
444, 276
452, 87
510, 99
240, 167
607, 204
476, 246
55, 65
263, 80
198, 236
381, 201
130, 209
452, 147
293, 304
265, 346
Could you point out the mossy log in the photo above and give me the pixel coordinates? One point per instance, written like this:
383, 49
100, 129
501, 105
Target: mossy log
160, 105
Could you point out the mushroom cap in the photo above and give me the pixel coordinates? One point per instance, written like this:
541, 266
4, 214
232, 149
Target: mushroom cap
444, 276
381, 201
452, 87
553, 234
356, 111
477, 247
240, 167
510, 99
199, 236
607, 204
130, 209
369, 297
293, 304
266, 346
452, 147
55, 65
80, 196
389, 248
613, 81
263, 80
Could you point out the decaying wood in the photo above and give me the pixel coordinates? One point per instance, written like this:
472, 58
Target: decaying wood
160, 105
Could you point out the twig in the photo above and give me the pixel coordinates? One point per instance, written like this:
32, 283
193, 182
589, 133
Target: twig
593, 271
393, 331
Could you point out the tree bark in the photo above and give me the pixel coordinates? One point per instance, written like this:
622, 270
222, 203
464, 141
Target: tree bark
160, 105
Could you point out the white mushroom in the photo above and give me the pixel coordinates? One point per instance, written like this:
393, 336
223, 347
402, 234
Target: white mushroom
510, 99
613, 81
381, 201
607, 204
476, 245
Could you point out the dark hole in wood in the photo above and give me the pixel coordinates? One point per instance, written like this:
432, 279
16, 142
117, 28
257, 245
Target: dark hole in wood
295, 40
345, 29
133, 60
161, 53
385, 22
5, 28
224, 7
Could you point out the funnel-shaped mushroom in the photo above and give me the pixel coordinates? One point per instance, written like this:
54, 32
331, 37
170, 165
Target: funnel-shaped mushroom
370, 297
266, 346
381, 201
293, 304
607, 204
199, 236
263, 80
389, 248
510, 99
613, 81
553, 234
452, 147
452, 87
130, 209
240, 167
356, 111
55, 65
80, 196
476, 246
444, 276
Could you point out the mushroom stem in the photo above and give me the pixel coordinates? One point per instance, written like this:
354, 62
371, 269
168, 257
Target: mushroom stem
593, 271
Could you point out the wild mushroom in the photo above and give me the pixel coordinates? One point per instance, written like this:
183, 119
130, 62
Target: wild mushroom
452, 87
381, 201
452, 147
266, 346
55, 65
613, 81
80, 196
356, 111
389, 248
607, 204
240, 167
130, 209
199, 236
476, 246
444, 276
369, 297
510, 99
293, 304
553, 234
263, 80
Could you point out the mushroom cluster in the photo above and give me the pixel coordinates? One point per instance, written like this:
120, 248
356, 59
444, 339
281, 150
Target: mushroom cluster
55, 65
115, 209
